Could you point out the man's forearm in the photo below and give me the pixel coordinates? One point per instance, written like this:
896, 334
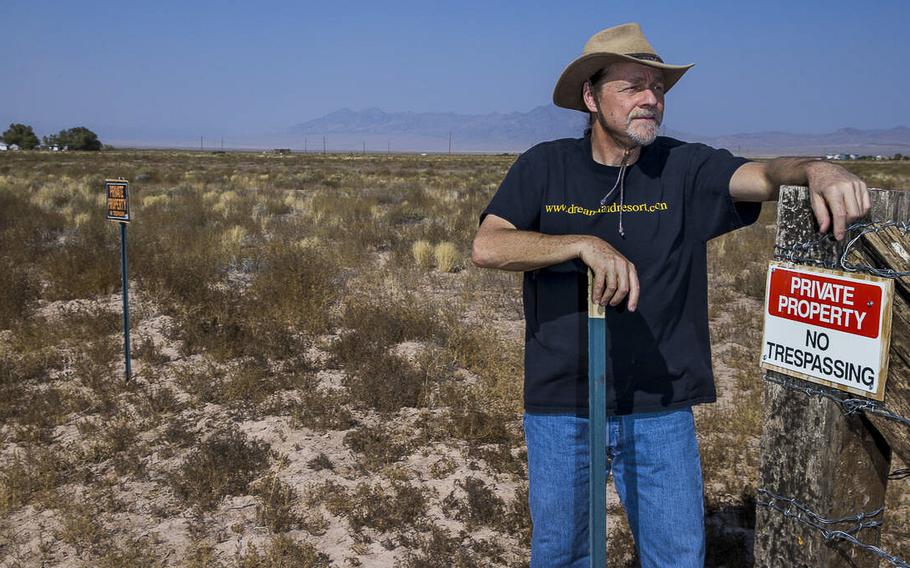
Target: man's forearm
837, 197
507, 248
761, 181
511, 249
788, 171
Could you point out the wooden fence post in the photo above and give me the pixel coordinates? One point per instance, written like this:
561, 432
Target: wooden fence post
891, 248
836, 464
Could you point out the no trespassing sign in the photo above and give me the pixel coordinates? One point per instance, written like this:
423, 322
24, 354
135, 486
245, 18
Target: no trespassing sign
828, 327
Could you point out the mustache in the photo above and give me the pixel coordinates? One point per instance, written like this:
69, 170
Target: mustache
646, 114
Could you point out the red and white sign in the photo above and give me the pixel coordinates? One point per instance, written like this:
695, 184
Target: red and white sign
828, 327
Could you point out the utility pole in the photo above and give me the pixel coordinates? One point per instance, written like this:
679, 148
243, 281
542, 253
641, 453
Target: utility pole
222, 143
304, 144
200, 142
389, 148
323, 145
450, 142
364, 147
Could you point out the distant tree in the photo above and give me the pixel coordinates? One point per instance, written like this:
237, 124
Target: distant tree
898, 156
22, 135
78, 138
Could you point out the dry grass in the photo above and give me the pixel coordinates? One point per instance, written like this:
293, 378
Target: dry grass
284, 552
423, 253
223, 464
307, 391
447, 257
277, 509
477, 506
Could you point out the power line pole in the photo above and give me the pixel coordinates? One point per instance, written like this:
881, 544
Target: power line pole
450, 142
304, 144
389, 148
200, 142
364, 147
222, 143
323, 145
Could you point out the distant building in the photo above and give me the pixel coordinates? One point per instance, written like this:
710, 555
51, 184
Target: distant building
2, 147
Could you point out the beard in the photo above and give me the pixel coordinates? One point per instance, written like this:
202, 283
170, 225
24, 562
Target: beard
643, 132
639, 132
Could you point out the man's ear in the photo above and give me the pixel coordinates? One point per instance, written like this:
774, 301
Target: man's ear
587, 95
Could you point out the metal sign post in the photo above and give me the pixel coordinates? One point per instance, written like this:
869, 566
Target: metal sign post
126, 302
597, 431
118, 209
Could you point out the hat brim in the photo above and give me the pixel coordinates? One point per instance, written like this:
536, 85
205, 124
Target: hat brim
568, 91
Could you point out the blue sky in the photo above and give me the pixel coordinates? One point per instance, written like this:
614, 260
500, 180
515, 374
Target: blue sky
165, 69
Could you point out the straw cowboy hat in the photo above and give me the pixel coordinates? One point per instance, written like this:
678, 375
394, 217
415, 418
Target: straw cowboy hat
619, 43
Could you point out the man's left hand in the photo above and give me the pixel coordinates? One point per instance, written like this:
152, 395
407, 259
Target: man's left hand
836, 195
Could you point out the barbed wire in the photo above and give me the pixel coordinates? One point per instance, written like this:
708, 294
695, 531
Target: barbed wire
848, 405
799, 511
799, 253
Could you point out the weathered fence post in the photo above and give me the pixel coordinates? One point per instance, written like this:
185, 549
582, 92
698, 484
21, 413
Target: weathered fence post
833, 463
891, 248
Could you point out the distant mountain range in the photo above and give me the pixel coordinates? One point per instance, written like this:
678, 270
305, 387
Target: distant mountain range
517, 131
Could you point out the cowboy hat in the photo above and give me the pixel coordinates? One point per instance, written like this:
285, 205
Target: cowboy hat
619, 43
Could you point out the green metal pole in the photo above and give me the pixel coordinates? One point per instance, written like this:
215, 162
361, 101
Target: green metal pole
126, 302
597, 431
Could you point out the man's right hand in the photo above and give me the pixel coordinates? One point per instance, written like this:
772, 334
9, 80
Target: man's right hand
615, 277
499, 244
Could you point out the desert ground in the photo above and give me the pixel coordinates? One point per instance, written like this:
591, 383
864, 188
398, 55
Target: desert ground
320, 375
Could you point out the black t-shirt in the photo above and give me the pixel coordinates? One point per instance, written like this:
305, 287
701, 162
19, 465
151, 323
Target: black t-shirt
676, 198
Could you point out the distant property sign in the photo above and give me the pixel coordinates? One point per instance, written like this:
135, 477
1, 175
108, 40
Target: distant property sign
118, 199
828, 327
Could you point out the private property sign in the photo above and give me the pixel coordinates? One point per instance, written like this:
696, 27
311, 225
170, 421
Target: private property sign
828, 327
118, 200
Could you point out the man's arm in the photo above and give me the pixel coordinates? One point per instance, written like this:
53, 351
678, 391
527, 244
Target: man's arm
834, 193
498, 244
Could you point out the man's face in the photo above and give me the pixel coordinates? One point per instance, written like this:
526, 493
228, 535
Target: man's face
629, 102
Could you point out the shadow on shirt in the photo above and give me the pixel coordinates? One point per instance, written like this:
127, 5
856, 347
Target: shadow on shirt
635, 366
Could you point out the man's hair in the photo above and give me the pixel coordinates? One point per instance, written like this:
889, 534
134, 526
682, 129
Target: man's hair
590, 124
595, 80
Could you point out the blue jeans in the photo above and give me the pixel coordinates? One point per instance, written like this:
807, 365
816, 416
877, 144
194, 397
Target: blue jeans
657, 471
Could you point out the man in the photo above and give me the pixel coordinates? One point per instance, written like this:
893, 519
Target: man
638, 210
